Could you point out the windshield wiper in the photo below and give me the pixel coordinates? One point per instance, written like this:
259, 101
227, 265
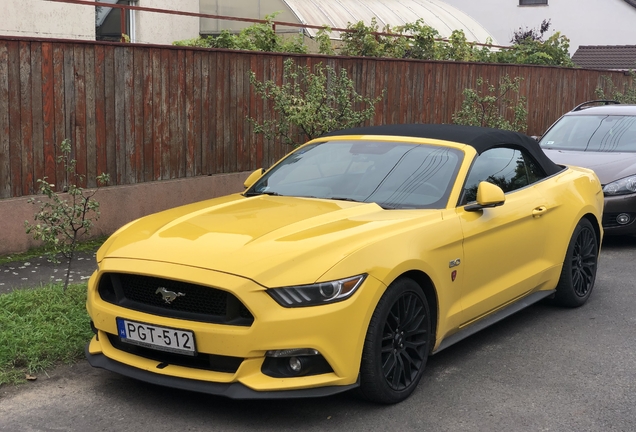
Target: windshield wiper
272, 193
343, 199
387, 207
384, 206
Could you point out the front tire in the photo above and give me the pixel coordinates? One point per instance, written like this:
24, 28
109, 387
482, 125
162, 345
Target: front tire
579, 268
397, 344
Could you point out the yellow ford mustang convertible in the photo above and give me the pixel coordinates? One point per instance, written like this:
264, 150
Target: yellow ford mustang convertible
346, 264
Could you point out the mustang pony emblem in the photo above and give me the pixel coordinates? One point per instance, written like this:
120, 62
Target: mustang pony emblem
168, 296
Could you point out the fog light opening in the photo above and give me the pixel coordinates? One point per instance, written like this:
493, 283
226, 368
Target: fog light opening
295, 364
623, 219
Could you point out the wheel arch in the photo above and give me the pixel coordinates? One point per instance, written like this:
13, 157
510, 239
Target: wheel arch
596, 224
428, 289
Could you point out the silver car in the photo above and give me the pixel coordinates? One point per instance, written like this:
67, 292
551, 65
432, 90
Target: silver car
602, 138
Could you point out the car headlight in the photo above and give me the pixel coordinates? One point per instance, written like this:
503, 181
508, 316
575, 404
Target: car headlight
316, 294
623, 186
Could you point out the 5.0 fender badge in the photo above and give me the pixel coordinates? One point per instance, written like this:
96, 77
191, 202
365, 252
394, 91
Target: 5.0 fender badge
168, 296
454, 263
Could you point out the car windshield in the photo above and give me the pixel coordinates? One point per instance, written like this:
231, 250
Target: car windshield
391, 174
592, 133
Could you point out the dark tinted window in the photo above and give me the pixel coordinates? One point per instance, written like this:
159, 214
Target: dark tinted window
508, 168
532, 2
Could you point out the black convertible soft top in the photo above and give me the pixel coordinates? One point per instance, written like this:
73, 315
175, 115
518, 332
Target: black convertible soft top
480, 138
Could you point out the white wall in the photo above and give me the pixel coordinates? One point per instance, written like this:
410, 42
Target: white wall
163, 29
256, 9
39, 18
584, 22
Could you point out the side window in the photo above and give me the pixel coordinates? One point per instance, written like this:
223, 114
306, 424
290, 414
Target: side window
508, 168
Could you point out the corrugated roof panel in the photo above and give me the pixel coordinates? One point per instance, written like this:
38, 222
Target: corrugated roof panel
435, 13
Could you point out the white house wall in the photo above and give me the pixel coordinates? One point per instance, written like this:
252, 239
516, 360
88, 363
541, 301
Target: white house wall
39, 18
255, 9
163, 29
584, 22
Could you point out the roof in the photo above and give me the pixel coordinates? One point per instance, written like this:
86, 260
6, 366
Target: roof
480, 138
616, 110
435, 13
621, 57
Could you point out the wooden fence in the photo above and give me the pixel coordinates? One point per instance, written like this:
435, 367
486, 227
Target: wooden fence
145, 113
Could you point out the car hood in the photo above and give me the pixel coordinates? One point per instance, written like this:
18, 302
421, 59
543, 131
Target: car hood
272, 240
608, 166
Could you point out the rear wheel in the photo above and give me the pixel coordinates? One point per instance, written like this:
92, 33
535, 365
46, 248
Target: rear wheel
397, 344
579, 268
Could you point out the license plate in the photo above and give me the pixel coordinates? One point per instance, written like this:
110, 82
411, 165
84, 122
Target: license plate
156, 337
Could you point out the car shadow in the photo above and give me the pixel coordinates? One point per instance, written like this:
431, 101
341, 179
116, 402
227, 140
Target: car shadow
619, 242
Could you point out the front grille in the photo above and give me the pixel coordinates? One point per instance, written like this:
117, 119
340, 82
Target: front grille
186, 301
609, 219
209, 362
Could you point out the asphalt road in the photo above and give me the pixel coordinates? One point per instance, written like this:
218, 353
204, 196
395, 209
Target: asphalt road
544, 369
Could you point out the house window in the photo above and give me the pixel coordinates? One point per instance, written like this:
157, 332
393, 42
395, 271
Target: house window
108, 20
532, 2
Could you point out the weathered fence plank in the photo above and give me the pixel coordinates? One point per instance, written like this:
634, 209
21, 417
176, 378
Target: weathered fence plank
137, 155
78, 126
5, 167
91, 149
15, 147
26, 119
37, 131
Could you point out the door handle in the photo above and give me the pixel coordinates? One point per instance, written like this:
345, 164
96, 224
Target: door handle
539, 211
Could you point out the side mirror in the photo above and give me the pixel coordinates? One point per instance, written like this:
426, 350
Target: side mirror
251, 179
488, 195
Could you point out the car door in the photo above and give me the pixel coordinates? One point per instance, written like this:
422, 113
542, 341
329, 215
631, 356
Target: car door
503, 245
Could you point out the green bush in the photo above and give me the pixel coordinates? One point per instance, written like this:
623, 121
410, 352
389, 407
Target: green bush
257, 37
60, 222
625, 95
492, 107
310, 104
553, 51
412, 40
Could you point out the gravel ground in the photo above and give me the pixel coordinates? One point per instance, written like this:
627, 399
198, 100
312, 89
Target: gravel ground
38, 271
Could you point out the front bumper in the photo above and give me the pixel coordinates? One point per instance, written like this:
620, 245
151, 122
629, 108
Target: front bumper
337, 331
615, 206
234, 390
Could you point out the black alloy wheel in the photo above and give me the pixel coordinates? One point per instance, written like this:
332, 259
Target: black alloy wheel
397, 344
584, 262
579, 268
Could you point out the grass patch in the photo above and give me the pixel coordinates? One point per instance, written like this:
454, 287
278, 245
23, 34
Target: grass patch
40, 328
87, 246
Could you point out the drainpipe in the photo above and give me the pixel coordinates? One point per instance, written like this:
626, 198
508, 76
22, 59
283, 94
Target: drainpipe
122, 24
131, 33
133, 22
